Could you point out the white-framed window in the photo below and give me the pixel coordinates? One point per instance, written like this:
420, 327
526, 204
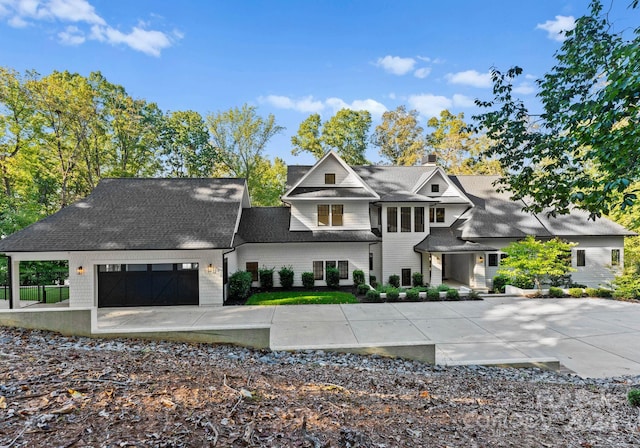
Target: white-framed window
581, 259
615, 257
330, 215
318, 270
330, 178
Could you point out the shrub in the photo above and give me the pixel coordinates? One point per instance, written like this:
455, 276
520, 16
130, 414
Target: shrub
266, 278
591, 292
394, 280
308, 280
363, 289
556, 292
604, 292
393, 295
239, 285
373, 296
523, 282
500, 281
417, 279
634, 397
358, 277
576, 292
443, 288
473, 295
333, 278
373, 281
453, 294
433, 294
286, 277
413, 295
627, 286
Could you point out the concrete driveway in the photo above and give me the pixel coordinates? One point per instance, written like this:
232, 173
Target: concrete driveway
592, 337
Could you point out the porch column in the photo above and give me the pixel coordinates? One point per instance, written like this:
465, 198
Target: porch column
14, 283
436, 268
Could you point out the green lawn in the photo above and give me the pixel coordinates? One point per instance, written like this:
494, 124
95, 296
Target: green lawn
300, 298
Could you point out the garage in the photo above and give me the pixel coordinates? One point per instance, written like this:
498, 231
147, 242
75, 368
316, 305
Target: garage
162, 284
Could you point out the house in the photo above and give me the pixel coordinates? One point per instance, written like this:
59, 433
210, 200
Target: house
136, 242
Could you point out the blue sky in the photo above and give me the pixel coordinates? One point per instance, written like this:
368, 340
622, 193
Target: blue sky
294, 58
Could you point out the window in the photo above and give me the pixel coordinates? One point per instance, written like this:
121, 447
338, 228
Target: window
336, 214
493, 259
436, 214
110, 268
615, 257
252, 266
370, 261
405, 219
343, 267
136, 267
331, 264
580, 257
406, 277
323, 215
330, 215
392, 219
418, 219
318, 270
435, 188
330, 178
162, 267
187, 266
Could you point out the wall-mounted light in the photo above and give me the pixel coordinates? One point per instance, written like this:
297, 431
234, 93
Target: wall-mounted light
80, 270
210, 268
480, 259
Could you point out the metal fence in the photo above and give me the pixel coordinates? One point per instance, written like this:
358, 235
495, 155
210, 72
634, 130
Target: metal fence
38, 293
42, 282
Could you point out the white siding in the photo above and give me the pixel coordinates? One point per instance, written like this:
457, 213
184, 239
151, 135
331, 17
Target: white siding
304, 215
597, 270
83, 289
344, 178
300, 256
397, 247
376, 250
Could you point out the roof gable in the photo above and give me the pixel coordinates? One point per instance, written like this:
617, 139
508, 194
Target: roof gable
447, 190
347, 182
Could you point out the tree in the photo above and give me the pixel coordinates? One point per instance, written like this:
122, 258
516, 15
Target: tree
537, 260
346, 132
582, 151
399, 137
269, 182
239, 137
185, 143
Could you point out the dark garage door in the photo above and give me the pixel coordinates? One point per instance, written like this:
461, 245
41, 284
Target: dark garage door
147, 284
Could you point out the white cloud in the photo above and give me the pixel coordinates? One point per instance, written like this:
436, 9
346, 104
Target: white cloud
396, 65
429, 105
150, 42
557, 28
470, 78
525, 88
20, 13
422, 72
310, 105
305, 104
462, 101
71, 36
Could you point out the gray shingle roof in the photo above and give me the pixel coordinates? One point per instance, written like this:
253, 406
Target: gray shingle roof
495, 215
139, 214
384, 180
330, 192
271, 225
444, 240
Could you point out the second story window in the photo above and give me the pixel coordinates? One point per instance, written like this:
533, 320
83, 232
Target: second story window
392, 219
330, 215
418, 219
330, 178
436, 214
405, 219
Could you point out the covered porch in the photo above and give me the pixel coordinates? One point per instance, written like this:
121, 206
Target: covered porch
453, 261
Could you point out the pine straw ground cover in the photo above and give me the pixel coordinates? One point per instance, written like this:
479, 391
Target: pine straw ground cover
75, 392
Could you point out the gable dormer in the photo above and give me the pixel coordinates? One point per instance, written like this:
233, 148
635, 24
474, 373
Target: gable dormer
330, 177
438, 185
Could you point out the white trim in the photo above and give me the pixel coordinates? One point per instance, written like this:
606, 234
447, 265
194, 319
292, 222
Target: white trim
446, 178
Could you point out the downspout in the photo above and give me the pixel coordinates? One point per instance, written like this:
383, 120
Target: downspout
10, 281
